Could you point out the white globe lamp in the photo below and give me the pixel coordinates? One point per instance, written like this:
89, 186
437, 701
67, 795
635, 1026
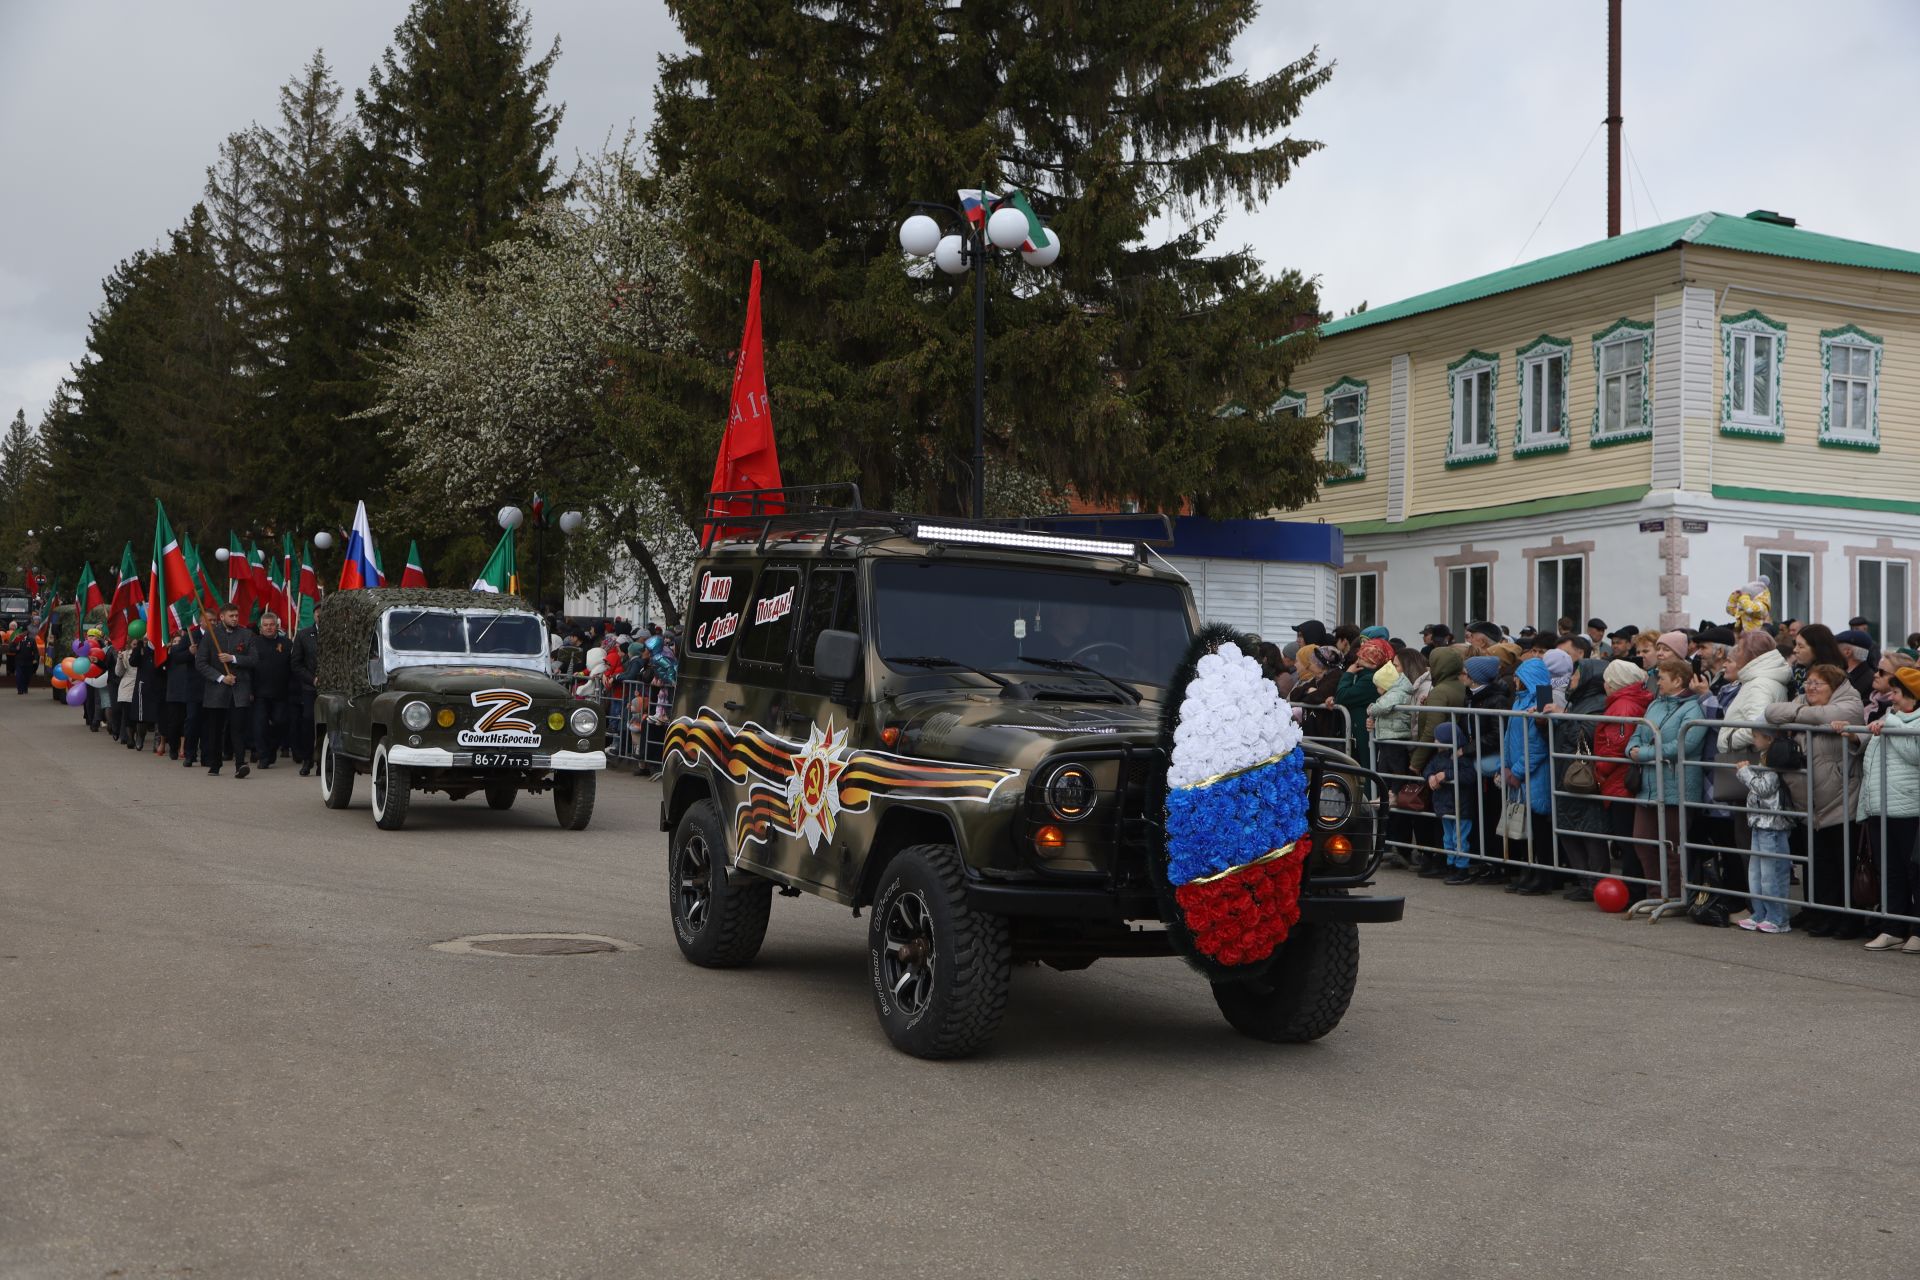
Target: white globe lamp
919, 235
510, 517
1007, 228
1046, 253
323, 540
950, 255
220, 554
570, 521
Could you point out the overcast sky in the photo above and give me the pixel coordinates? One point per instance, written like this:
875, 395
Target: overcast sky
1449, 127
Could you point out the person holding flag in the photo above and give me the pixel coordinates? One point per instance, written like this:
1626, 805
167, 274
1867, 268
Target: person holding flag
25, 652
225, 661
171, 605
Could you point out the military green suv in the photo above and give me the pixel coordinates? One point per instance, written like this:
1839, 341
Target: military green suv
956, 724
448, 691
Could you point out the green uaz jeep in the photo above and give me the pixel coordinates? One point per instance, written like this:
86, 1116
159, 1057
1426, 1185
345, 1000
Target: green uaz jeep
956, 725
448, 691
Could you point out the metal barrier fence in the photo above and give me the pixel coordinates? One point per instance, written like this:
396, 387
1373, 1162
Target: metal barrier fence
1695, 838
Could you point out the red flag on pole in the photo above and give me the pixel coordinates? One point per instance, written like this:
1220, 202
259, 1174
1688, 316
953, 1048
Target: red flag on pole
748, 459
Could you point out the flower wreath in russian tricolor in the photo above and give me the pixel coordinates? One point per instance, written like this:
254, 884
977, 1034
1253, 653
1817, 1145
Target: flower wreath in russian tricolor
1229, 880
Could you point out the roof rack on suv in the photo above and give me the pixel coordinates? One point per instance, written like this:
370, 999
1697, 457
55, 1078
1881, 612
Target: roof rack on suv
806, 510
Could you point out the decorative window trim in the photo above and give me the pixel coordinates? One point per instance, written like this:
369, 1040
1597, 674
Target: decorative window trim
1849, 335
1623, 331
1539, 351
1471, 363
1358, 471
1751, 322
1289, 399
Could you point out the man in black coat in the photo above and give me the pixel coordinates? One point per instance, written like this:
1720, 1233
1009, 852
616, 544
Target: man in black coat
272, 690
180, 717
225, 662
26, 656
306, 669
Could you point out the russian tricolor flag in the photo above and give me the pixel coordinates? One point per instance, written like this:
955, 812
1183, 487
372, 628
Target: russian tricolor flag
977, 204
360, 570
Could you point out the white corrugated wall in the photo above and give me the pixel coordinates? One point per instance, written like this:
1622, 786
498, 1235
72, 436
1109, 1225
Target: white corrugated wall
1263, 597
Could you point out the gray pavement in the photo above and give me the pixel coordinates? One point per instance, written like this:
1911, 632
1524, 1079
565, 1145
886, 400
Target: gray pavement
226, 1049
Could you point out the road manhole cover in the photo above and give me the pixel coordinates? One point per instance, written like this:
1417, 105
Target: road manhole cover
533, 944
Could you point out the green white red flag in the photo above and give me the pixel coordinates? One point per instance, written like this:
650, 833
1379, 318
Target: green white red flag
413, 575
169, 587
309, 588
127, 599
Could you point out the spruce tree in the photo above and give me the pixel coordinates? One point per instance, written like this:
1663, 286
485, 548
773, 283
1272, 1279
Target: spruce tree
308, 333
1139, 365
454, 140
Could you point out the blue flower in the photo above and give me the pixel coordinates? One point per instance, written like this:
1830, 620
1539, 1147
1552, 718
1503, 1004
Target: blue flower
1236, 820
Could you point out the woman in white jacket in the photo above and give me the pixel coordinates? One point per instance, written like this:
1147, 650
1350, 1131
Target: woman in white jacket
1763, 675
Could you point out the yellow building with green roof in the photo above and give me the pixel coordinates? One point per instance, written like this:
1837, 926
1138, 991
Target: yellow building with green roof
1630, 430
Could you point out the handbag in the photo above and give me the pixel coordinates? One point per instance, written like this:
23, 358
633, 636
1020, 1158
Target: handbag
1516, 820
1412, 796
1866, 873
1581, 778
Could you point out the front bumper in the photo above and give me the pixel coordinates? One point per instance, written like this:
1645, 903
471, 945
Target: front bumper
1063, 902
441, 758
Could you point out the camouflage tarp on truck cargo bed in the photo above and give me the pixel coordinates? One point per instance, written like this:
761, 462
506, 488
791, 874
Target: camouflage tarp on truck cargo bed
347, 621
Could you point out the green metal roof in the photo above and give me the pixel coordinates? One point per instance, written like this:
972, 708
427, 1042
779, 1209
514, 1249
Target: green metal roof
1718, 230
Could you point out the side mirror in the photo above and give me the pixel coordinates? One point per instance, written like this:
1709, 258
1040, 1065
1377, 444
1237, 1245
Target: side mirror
376, 672
836, 656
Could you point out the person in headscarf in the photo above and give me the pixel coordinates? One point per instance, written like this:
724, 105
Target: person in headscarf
1357, 693
1486, 691
1559, 665
1527, 773
1375, 633
1580, 820
1319, 677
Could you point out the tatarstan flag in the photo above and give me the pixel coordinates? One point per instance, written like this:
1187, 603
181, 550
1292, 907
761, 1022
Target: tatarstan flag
169, 587
208, 601
309, 587
86, 598
127, 599
413, 575
500, 575
239, 578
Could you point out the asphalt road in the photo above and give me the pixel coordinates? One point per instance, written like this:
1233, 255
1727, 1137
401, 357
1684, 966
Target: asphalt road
227, 1049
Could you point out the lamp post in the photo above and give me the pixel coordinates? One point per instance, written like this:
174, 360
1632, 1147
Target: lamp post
1009, 227
569, 522
511, 517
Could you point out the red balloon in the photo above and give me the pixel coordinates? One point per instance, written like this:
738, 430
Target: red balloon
1611, 895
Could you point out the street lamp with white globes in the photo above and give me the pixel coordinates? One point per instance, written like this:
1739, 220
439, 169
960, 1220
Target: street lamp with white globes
323, 540
510, 517
1008, 227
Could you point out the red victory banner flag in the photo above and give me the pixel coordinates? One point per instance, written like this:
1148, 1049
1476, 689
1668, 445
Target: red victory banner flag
169, 587
748, 459
127, 599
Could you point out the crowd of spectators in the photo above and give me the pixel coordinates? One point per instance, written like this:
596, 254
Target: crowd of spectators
1726, 747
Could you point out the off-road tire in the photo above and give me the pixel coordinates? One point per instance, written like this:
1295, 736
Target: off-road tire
731, 920
501, 795
1305, 993
969, 957
572, 799
392, 787
336, 775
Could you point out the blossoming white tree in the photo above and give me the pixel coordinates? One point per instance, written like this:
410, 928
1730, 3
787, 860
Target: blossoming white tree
503, 383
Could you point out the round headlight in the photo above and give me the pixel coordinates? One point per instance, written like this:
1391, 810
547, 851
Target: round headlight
1070, 793
1334, 803
583, 720
416, 716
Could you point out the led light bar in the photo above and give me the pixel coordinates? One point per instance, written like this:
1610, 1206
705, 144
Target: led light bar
1024, 541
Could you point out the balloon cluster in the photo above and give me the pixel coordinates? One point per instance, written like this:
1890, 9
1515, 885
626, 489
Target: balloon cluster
87, 667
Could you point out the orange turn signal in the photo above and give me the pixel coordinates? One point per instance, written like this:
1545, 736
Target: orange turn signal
890, 736
1048, 839
1339, 848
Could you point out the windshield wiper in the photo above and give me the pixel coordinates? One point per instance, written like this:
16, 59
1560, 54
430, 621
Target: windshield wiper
1068, 664
1006, 685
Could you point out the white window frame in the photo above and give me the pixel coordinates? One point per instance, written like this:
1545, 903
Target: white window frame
1459, 612
1356, 389
1547, 613
1782, 582
1740, 336
1623, 336
1290, 403
1356, 616
1888, 636
1467, 378
1532, 434
1849, 339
